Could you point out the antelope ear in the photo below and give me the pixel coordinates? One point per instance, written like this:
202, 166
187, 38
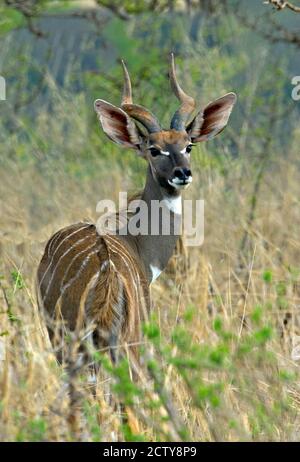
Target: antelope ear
117, 125
212, 120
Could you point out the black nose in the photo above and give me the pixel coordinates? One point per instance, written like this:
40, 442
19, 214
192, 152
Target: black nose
182, 173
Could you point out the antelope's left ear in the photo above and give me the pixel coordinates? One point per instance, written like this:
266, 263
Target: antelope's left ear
212, 120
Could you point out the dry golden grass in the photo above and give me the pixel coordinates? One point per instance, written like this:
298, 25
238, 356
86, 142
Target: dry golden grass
215, 280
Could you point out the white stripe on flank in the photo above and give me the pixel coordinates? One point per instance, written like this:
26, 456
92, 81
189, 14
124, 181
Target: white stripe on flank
53, 241
60, 258
126, 259
84, 263
72, 261
51, 261
87, 291
134, 315
118, 308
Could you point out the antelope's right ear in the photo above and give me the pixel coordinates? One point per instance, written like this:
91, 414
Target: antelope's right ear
117, 125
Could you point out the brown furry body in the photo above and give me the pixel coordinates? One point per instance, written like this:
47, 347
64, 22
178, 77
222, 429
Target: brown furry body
84, 278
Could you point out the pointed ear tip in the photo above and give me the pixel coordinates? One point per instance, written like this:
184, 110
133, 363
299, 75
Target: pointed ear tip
101, 104
97, 104
232, 96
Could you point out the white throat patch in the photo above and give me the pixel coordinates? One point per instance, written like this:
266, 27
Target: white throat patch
174, 204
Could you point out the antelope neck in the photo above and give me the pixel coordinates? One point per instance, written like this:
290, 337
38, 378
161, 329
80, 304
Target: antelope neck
155, 249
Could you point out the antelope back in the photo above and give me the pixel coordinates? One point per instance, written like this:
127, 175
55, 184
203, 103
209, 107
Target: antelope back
84, 278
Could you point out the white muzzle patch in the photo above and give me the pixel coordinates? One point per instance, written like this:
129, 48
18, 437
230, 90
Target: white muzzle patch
178, 184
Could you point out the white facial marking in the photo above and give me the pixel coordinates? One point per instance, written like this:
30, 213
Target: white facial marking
155, 272
174, 204
183, 151
177, 184
178, 181
165, 153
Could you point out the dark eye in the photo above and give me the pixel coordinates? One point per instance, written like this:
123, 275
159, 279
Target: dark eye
189, 148
155, 152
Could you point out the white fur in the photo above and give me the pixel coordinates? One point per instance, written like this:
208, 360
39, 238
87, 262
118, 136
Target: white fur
177, 184
165, 153
183, 151
155, 272
174, 204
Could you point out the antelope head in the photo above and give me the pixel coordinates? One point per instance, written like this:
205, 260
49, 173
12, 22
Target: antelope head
166, 151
